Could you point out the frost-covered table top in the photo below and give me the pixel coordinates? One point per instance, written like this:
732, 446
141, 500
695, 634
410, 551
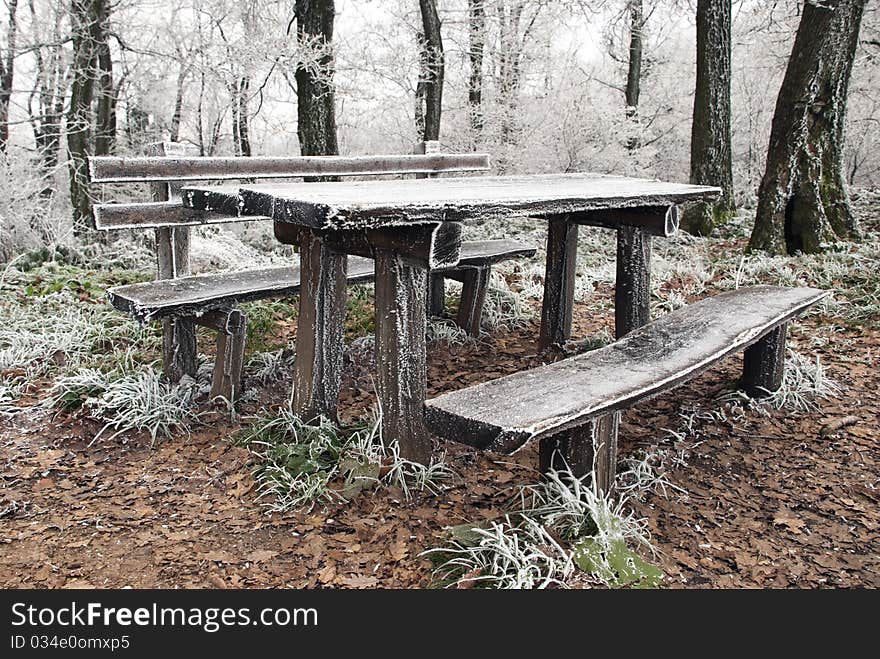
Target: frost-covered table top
364, 204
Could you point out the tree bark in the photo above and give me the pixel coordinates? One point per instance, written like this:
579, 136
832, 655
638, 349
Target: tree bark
634, 69
7, 74
105, 119
174, 132
477, 42
803, 203
431, 44
316, 110
710, 131
85, 18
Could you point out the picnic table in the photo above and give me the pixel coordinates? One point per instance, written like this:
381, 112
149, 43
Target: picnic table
411, 227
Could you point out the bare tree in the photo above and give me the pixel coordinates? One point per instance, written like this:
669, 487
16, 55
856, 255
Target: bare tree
7, 72
105, 115
634, 62
803, 202
710, 131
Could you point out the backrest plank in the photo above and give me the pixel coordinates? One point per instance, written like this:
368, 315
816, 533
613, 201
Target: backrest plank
109, 169
148, 215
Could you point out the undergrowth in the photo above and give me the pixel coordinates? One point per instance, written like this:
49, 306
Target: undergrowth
299, 464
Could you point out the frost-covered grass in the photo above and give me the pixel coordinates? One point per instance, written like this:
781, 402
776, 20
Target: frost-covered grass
562, 524
804, 383
299, 464
139, 400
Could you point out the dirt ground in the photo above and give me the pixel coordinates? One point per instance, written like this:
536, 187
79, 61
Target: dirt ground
786, 500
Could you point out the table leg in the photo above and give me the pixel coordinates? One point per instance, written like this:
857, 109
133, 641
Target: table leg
320, 329
632, 293
400, 353
559, 282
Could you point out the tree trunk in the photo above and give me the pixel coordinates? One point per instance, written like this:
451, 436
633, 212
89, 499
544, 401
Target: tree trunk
803, 202
174, 131
477, 38
710, 131
7, 72
85, 18
105, 119
242, 130
316, 111
634, 70
432, 47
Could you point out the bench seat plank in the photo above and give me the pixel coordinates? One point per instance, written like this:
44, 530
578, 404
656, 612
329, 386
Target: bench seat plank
187, 296
505, 414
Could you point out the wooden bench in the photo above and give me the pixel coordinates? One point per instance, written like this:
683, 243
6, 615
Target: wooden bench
183, 301
573, 406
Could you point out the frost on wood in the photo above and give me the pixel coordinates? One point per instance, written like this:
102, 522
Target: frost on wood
365, 204
506, 413
400, 354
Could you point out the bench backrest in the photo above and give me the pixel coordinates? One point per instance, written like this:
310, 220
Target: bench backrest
170, 164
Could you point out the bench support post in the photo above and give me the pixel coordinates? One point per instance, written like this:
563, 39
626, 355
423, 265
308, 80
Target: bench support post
400, 353
632, 293
558, 282
320, 328
179, 350
764, 364
231, 327
436, 294
589, 448
475, 283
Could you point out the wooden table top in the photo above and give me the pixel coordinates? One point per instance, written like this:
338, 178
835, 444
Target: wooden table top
348, 205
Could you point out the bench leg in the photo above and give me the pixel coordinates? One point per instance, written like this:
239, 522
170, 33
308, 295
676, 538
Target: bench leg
400, 354
764, 364
590, 448
320, 326
632, 293
179, 351
229, 361
475, 283
558, 282
436, 294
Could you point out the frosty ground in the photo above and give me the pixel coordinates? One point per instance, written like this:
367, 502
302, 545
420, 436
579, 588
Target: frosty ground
112, 478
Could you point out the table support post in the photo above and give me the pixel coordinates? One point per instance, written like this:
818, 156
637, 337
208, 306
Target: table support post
400, 353
633, 290
320, 329
436, 303
559, 282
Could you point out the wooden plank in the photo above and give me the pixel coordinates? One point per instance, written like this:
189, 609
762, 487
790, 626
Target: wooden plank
196, 294
654, 220
632, 292
400, 354
479, 253
108, 169
506, 413
475, 283
764, 364
560, 269
148, 215
364, 204
320, 328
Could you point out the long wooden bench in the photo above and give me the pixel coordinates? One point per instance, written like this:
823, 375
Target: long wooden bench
573, 406
183, 301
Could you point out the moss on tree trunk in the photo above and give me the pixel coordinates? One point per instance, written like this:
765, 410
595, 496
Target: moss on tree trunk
802, 202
